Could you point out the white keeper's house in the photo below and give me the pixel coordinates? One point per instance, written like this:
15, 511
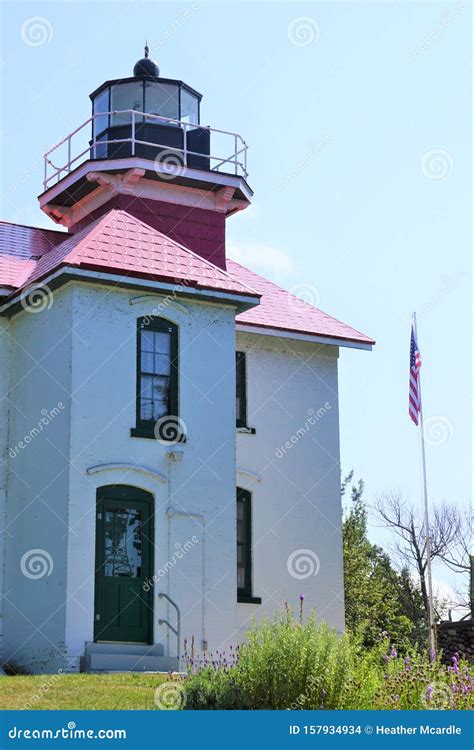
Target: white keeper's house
169, 427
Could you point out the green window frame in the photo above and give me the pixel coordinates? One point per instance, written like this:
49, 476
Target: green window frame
157, 374
244, 548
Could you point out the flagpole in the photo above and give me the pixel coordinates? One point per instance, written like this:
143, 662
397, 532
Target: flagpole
427, 525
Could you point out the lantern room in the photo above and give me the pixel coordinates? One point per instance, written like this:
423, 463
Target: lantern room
146, 129
146, 115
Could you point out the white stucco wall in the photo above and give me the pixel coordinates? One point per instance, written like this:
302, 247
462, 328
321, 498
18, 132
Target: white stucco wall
4, 387
195, 497
37, 487
81, 353
291, 466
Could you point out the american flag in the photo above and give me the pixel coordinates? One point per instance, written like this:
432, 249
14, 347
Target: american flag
414, 400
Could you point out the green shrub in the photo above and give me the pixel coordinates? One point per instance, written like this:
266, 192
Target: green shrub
283, 664
288, 664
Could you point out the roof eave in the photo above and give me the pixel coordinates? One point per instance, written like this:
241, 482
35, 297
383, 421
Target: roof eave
306, 336
66, 273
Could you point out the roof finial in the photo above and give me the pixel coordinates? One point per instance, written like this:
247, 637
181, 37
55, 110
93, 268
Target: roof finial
146, 67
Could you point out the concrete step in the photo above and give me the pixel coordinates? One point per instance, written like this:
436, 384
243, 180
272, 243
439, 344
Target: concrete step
105, 647
126, 657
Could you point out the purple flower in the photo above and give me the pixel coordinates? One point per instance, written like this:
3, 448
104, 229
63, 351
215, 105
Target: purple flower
301, 597
432, 654
406, 660
429, 692
385, 658
393, 653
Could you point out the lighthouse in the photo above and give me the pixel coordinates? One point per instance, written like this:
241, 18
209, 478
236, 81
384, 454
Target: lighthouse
183, 411
143, 149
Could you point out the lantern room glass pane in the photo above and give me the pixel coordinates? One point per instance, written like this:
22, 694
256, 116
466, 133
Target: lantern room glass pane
99, 105
161, 99
126, 96
189, 107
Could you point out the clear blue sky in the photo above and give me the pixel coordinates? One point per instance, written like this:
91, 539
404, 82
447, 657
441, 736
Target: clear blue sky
359, 219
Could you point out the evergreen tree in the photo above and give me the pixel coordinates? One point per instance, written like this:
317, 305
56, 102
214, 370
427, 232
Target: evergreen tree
377, 597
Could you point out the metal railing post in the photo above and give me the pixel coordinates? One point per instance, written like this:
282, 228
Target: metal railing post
133, 132
176, 631
185, 146
240, 166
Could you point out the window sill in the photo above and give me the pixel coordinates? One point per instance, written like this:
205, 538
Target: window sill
242, 599
246, 430
149, 434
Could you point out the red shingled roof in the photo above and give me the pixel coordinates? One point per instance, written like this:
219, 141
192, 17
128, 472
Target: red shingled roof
281, 310
120, 243
18, 245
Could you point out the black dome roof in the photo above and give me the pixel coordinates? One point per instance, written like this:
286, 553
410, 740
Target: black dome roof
146, 66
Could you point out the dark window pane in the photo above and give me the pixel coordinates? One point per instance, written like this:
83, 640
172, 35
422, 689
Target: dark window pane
126, 96
147, 362
123, 542
100, 105
161, 342
157, 375
244, 554
162, 364
154, 394
161, 99
189, 107
147, 341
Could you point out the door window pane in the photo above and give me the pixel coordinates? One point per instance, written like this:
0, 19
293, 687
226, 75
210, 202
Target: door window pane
123, 542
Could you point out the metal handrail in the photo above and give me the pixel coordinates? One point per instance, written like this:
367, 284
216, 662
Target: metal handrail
177, 630
240, 146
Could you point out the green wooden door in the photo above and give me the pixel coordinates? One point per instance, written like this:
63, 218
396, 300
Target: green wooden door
124, 564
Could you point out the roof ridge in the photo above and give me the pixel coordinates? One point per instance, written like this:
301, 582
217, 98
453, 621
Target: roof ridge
186, 249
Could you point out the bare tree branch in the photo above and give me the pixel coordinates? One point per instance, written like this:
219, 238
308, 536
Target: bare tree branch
449, 535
